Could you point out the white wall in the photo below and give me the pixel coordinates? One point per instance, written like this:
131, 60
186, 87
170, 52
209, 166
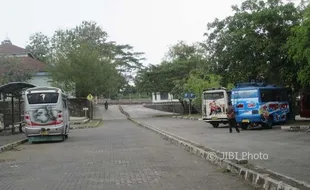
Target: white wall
41, 79
156, 98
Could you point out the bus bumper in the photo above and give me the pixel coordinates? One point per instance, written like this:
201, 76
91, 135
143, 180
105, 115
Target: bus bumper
44, 130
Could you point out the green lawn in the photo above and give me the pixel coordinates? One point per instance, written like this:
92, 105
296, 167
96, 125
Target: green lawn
192, 115
184, 115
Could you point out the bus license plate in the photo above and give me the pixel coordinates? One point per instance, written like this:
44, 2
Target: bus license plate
214, 118
44, 133
245, 121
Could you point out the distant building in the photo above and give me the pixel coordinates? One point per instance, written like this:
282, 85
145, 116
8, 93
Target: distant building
158, 97
27, 62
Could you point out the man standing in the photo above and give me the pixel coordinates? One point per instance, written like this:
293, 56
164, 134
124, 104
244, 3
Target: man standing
231, 118
106, 104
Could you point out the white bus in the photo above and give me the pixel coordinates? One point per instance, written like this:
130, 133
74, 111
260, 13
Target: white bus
214, 105
46, 112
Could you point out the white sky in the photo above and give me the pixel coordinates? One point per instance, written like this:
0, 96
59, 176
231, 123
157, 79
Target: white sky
151, 26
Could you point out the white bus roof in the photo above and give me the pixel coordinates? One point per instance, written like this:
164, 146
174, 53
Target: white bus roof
43, 89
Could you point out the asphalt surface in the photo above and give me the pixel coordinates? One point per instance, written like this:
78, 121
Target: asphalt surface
112, 113
116, 155
288, 152
139, 111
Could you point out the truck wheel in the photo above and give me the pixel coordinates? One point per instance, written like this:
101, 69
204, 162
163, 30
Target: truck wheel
215, 125
244, 126
269, 123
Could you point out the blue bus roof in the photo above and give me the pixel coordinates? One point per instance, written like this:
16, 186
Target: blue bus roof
255, 86
258, 87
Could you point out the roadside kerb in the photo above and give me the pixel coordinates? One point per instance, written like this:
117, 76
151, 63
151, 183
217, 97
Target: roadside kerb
86, 126
295, 128
259, 179
80, 122
11, 146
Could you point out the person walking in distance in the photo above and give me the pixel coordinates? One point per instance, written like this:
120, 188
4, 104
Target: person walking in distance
231, 118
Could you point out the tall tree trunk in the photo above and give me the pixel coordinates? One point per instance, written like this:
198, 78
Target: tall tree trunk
182, 103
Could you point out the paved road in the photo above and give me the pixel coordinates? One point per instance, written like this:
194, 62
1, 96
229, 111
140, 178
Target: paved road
139, 111
7, 138
288, 152
112, 113
117, 155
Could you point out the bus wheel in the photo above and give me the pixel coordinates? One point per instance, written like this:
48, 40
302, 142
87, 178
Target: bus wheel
215, 125
244, 126
269, 123
66, 134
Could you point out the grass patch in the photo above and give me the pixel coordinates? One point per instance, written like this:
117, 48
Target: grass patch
89, 124
166, 115
192, 115
94, 122
183, 115
7, 160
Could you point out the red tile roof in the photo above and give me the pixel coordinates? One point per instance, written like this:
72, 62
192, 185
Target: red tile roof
33, 64
12, 49
24, 64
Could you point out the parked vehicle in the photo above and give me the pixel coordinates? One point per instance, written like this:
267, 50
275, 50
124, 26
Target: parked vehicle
303, 104
46, 112
260, 105
214, 105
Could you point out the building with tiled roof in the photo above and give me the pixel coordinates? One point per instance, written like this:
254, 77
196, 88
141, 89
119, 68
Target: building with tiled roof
26, 63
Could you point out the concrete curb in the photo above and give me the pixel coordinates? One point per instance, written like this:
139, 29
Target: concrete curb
11, 146
258, 179
295, 128
188, 118
87, 126
80, 122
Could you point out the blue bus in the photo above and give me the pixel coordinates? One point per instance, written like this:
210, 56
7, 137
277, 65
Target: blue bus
259, 105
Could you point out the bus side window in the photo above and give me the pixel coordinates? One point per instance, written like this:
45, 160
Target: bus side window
271, 95
267, 96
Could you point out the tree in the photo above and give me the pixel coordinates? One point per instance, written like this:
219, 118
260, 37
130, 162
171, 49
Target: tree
39, 46
250, 44
83, 59
12, 70
172, 74
198, 82
82, 70
299, 48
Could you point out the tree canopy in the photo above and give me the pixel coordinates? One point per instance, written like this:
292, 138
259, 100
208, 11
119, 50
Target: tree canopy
83, 59
12, 70
251, 43
265, 40
298, 46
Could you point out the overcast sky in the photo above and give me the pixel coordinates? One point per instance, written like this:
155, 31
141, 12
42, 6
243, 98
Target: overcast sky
151, 26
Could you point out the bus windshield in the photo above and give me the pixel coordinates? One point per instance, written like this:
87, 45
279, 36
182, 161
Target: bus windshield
213, 95
42, 98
